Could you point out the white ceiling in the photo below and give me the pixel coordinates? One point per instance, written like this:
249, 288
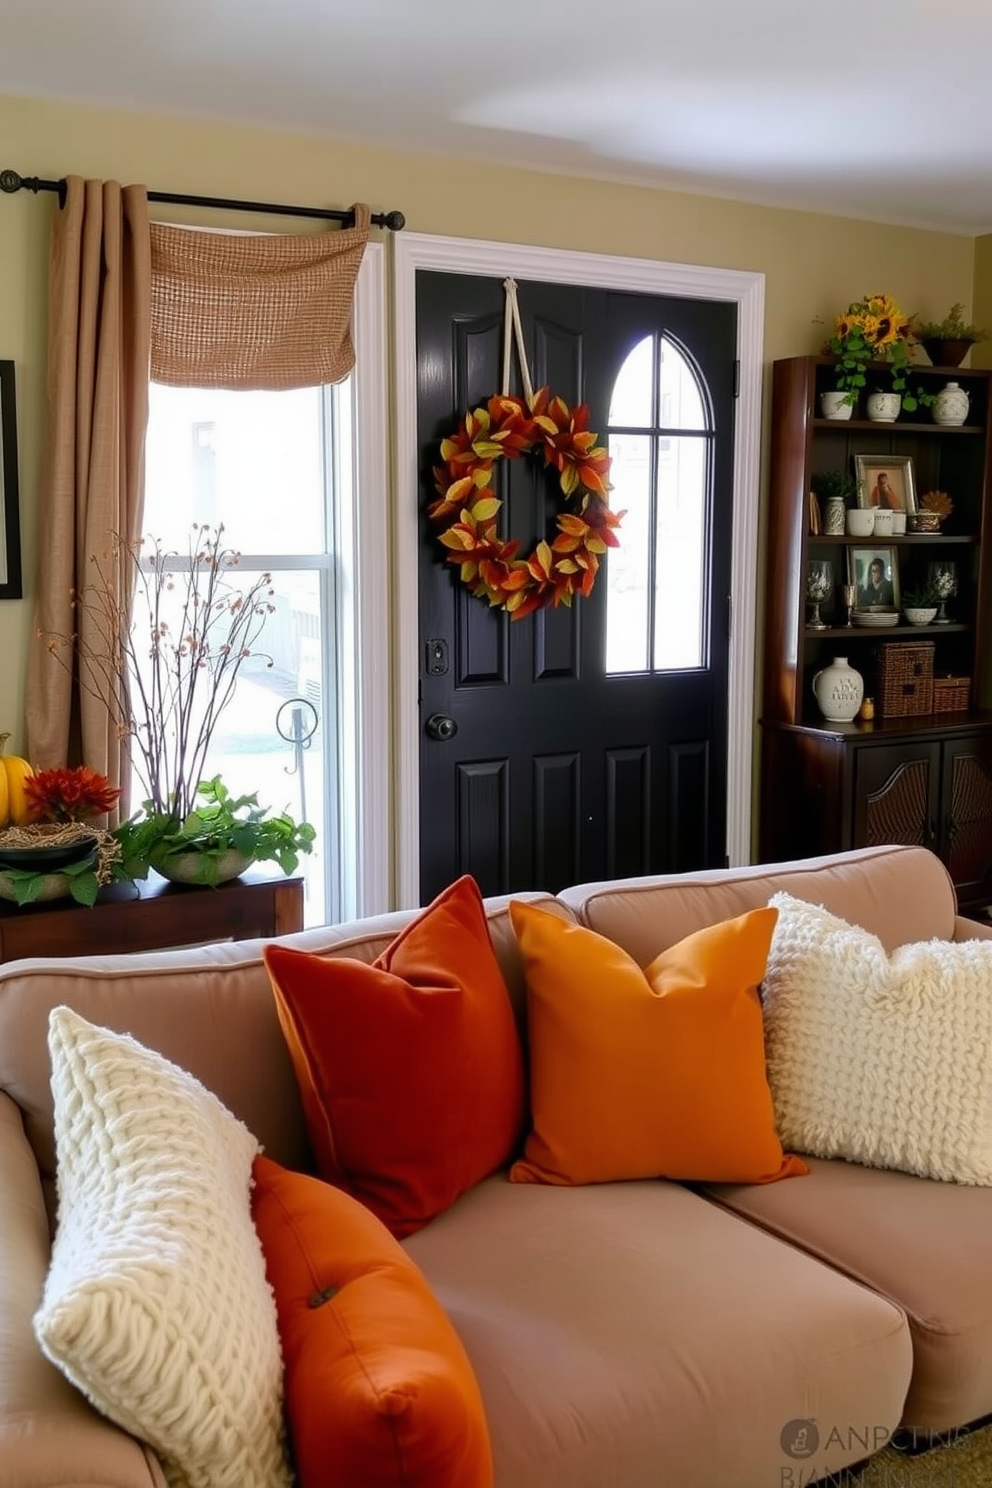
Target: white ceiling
867, 108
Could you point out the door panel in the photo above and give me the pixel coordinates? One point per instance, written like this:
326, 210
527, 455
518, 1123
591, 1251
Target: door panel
559, 772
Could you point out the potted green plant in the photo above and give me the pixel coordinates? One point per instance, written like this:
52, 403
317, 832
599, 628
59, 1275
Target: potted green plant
215, 841
833, 491
948, 341
920, 604
871, 329
165, 674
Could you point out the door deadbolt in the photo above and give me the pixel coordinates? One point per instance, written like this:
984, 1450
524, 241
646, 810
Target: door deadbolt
440, 726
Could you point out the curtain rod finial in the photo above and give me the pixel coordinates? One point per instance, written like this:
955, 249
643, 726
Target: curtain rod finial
10, 181
395, 221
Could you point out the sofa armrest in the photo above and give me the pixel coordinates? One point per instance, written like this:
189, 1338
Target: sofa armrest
965, 929
49, 1435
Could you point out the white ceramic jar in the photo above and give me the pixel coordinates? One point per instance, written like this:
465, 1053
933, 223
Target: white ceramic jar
833, 516
861, 521
838, 690
836, 406
883, 521
951, 405
883, 408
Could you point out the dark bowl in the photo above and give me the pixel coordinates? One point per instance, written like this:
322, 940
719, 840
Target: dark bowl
47, 859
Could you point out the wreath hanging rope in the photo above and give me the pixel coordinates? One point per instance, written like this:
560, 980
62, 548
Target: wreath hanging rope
507, 428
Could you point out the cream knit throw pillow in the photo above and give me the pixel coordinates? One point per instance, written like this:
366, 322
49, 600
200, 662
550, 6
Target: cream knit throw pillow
883, 1060
156, 1304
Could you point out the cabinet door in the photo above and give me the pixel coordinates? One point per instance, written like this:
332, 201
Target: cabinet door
895, 794
966, 815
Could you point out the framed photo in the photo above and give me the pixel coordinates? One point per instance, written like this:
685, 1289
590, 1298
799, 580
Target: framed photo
874, 571
886, 480
10, 515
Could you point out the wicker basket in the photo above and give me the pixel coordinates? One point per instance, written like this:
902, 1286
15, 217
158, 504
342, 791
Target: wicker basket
904, 679
951, 694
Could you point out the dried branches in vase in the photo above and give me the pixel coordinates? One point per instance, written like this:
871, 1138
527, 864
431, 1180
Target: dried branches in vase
165, 678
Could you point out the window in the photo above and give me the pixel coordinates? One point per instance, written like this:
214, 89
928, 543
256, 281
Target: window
272, 467
660, 439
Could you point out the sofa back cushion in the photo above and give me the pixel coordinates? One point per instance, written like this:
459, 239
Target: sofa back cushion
210, 1010
900, 894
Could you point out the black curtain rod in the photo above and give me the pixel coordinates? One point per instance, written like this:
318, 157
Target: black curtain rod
10, 182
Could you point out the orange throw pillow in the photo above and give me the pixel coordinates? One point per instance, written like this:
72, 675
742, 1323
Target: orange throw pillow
378, 1388
410, 1070
648, 1074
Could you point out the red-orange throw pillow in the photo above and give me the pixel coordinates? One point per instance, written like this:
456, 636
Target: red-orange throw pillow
379, 1391
410, 1070
648, 1074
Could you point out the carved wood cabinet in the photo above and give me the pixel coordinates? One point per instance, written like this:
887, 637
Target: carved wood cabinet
926, 780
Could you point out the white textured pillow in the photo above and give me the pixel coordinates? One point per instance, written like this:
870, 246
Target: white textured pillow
156, 1304
884, 1061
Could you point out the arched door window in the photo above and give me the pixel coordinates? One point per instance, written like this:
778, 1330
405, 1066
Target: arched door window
660, 438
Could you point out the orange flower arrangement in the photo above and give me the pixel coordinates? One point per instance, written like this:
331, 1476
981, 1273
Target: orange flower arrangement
64, 795
507, 428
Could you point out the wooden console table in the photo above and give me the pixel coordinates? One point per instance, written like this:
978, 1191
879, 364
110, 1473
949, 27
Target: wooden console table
152, 916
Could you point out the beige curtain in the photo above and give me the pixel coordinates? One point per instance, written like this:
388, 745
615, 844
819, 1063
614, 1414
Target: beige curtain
254, 311
93, 461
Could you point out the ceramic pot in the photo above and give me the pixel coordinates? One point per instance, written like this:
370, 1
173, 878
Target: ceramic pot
838, 690
199, 868
833, 516
836, 406
883, 408
53, 886
947, 353
951, 405
919, 614
883, 522
861, 521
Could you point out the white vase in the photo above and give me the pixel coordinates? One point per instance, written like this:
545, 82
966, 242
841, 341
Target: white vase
838, 690
883, 408
833, 515
836, 405
951, 405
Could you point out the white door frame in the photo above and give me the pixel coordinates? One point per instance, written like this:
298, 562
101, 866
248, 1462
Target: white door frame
413, 251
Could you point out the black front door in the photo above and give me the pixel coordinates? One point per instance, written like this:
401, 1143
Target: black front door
539, 766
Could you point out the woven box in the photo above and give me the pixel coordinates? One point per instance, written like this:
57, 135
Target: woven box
904, 679
951, 694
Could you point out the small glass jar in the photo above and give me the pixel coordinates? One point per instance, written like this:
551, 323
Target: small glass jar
867, 710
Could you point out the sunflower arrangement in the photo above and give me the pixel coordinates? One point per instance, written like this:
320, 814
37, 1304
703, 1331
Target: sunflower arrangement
873, 328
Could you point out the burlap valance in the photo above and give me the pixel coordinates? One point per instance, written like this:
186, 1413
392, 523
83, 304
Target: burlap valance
256, 310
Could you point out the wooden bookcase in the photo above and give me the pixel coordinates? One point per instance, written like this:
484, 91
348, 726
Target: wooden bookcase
927, 779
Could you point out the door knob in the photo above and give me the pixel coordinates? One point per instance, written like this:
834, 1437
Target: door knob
440, 726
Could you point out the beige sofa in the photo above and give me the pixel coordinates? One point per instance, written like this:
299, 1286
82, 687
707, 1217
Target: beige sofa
624, 1335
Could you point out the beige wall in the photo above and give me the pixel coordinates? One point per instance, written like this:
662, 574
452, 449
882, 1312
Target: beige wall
813, 264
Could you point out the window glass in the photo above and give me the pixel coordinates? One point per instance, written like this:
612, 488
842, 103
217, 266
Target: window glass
263, 465
656, 599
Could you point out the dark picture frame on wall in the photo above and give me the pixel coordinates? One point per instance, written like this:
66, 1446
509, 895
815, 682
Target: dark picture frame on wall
10, 511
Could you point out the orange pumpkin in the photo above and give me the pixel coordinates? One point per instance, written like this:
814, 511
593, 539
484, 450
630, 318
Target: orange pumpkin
15, 809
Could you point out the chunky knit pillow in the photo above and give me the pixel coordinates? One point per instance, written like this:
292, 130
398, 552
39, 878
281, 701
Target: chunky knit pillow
156, 1305
882, 1060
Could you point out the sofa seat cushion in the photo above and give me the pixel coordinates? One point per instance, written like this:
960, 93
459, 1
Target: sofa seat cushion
925, 1245
632, 1333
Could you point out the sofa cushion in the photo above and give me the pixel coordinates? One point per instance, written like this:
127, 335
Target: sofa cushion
924, 1245
156, 1304
900, 893
883, 1060
378, 1387
410, 1070
641, 1074
634, 1334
